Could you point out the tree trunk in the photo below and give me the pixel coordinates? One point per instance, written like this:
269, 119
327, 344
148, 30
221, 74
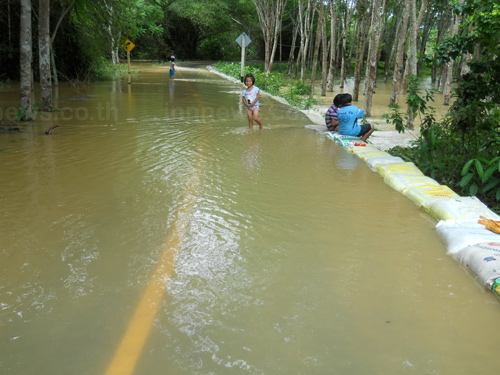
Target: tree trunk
443, 25
428, 26
8, 23
270, 15
53, 37
360, 51
44, 55
398, 65
333, 29
371, 68
280, 6
411, 67
345, 30
394, 37
449, 73
304, 34
291, 57
324, 48
25, 50
352, 42
412, 58
315, 57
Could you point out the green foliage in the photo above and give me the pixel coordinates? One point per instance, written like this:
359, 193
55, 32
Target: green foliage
294, 91
470, 165
395, 118
417, 104
103, 70
22, 112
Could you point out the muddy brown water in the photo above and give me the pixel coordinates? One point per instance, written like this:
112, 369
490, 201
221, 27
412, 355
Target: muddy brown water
152, 233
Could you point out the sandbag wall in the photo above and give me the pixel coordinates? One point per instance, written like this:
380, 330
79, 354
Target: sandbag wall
467, 240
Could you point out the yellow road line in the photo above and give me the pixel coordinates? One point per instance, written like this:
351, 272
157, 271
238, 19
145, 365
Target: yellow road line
131, 346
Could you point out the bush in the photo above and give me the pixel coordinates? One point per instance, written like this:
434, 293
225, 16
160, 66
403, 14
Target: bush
294, 91
467, 162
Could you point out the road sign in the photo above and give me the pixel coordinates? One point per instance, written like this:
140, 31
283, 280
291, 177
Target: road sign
128, 45
239, 39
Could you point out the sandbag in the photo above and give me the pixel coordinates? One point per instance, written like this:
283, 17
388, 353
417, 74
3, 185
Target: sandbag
338, 137
371, 153
403, 168
372, 162
460, 208
458, 234
401, 182
483, 260
359, 150
423, 196
496, 287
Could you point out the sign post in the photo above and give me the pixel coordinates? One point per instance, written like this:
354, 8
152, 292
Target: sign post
128, 46
243, 40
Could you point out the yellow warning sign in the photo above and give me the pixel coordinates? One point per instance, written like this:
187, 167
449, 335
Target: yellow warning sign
128, 45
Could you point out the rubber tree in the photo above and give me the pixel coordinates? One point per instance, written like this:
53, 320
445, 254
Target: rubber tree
449, 71
333, 44
44, 55
362, 8
270, 13
399, 64
25, 49
371, 66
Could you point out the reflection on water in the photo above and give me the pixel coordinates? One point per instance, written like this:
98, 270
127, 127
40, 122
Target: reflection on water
295, 257
251, 159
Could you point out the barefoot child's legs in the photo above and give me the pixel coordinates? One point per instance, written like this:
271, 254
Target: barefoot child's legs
250, 118
256, 116
366, 131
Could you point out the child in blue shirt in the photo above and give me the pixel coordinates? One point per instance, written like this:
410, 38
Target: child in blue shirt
348, 115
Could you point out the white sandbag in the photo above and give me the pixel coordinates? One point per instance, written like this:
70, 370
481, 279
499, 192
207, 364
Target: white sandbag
483, 260
372, 162
458, 234
338, 137
423, 196
460, 208
401, 182
404, 168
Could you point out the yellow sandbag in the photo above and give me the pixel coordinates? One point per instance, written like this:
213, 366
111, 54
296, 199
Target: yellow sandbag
400, 182
424, 195
372, 162
372, 154
361, 149
402, 168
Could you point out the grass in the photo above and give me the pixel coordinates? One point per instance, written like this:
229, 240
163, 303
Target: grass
296, 92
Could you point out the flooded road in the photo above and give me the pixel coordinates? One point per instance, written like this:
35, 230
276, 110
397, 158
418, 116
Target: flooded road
152, 233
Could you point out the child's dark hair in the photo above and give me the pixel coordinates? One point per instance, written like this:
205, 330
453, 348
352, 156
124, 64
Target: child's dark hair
337, 100
172, 58
345, 99
251, 77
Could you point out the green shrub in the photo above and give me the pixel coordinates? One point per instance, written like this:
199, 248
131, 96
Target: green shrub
275, 83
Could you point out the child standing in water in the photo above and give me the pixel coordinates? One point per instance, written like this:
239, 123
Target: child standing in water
251, 99
172, 67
